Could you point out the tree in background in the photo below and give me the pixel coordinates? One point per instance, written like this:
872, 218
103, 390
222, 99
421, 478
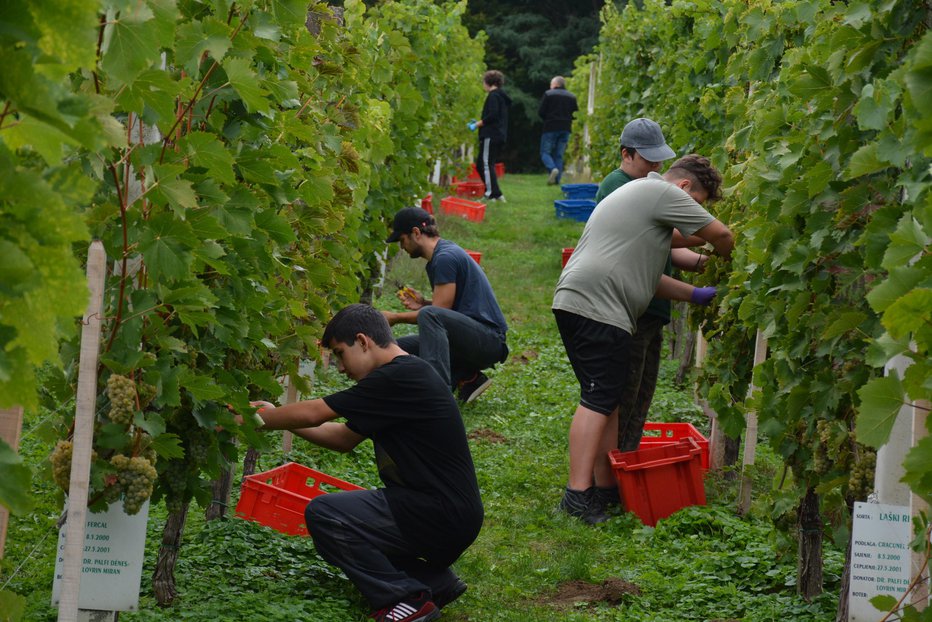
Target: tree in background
531, 41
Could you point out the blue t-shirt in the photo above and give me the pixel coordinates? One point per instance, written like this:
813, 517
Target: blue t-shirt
474, 297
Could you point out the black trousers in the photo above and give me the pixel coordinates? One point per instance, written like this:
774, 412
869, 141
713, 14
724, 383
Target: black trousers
356, 532
489, 152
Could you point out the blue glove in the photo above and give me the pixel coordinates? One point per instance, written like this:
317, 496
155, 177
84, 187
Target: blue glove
702, 295
472, 125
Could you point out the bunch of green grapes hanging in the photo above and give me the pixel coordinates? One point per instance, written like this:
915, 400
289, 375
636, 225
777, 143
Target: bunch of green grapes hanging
61, 464
135, 476
831, 448
122, 393
174, 484
861, 480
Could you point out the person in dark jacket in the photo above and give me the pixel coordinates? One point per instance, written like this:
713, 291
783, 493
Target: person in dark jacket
556, 109
493, 130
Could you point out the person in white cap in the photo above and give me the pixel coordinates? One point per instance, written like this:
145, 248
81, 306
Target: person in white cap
605, 287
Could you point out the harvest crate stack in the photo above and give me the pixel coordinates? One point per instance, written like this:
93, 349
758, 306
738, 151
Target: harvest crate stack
660, 479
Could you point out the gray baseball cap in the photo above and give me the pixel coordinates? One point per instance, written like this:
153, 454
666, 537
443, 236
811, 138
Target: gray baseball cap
645, 136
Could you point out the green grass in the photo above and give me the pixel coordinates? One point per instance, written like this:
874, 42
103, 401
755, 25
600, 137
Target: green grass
703, 563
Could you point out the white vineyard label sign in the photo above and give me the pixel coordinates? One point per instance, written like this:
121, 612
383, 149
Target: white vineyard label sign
880, 557
111, 569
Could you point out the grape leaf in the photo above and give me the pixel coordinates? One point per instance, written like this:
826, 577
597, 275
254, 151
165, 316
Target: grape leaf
881, 400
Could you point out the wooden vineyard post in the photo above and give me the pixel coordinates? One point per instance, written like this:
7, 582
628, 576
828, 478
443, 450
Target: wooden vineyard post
716, 437
291, 396
750, 433
11, 426
85, 408
590, 110
305, 368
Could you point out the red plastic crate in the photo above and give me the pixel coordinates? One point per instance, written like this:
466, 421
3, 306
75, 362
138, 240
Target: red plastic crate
476, 255
658, 433
427, 204
657, 481
474, 174
469, 188
277, 498
566, 255
472, 210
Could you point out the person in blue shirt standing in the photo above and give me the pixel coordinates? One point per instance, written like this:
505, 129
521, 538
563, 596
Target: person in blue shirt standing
461, 329
556, 109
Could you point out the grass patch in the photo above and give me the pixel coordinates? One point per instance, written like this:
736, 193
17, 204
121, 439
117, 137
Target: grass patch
529, 564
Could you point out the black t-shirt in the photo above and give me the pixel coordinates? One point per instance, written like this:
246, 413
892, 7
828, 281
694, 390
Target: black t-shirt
421, 452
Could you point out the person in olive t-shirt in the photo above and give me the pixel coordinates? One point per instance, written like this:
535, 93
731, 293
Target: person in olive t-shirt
605, 287
643, 148
395, 543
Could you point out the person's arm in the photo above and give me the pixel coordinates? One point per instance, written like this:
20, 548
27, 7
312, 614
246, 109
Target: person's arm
685, 259
305, 414
681, 241
719, 236
673, 289
542, 109
331, 435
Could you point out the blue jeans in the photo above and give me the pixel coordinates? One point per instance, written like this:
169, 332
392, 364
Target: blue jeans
455, 345
552, 148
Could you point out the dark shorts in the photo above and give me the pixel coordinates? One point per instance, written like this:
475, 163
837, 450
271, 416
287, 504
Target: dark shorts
598, 353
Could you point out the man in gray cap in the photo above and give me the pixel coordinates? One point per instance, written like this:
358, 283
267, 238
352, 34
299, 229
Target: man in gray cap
643, 149
461, 329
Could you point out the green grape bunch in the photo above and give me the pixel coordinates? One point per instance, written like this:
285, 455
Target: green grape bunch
136, 477
122, 393
861, 479
61, 464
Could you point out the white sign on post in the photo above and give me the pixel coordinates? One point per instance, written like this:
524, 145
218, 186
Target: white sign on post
111, 569
880, 557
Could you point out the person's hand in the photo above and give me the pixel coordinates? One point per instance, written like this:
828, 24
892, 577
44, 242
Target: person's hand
261, 406
472, 125
702, 295
410, 298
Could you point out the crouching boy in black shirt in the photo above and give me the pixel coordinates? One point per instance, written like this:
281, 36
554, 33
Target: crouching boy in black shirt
395, 543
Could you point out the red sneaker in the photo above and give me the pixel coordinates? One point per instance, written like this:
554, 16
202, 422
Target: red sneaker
419, 608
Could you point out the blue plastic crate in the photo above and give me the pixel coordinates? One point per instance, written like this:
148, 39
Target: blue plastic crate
577, 209
579, 191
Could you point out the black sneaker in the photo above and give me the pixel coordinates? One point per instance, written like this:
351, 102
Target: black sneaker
447, 595
419, 608
606, 497
473, 388
580, 504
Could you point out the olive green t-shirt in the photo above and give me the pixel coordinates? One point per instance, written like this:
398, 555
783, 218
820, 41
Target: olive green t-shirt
614, 271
